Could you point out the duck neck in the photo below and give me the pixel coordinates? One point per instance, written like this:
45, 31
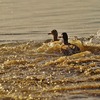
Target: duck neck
55, 38
66, 42
65, 38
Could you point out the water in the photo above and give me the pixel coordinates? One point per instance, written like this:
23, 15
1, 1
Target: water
28, 20
33, 70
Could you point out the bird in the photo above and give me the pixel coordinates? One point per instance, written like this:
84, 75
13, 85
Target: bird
68, 48
55, 35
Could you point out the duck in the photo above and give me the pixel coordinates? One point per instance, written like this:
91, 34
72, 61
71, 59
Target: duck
68, 48
55, 35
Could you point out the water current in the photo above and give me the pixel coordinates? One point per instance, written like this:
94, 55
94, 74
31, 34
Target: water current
33, 70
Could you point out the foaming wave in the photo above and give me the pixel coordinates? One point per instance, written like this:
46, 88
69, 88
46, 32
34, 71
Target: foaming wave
38, 70
95, 39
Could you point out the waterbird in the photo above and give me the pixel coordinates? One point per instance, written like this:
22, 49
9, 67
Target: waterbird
68, 48
55, 35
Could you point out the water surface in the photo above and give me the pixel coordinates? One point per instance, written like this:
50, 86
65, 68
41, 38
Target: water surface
33, 70
28, 20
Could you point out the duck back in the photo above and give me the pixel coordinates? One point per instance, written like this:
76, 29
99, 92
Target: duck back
70, 49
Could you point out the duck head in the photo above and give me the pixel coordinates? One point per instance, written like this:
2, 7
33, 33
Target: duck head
65, 38
55, 35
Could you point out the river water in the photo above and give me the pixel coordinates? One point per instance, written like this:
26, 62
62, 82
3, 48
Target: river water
33, 70
28, 20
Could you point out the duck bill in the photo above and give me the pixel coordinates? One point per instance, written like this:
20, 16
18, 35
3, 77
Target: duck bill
49, 33
60, 37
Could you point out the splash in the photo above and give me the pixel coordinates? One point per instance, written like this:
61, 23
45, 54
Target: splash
94, 39
32, 71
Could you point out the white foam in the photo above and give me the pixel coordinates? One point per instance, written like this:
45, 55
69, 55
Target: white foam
96, 38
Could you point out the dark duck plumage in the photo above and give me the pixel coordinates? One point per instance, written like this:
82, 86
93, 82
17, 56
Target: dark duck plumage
55, 35
67, 48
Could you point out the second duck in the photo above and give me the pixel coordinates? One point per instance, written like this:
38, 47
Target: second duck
67, 48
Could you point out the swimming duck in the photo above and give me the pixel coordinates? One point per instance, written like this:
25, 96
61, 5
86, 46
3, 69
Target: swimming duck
68, 48
55, 35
